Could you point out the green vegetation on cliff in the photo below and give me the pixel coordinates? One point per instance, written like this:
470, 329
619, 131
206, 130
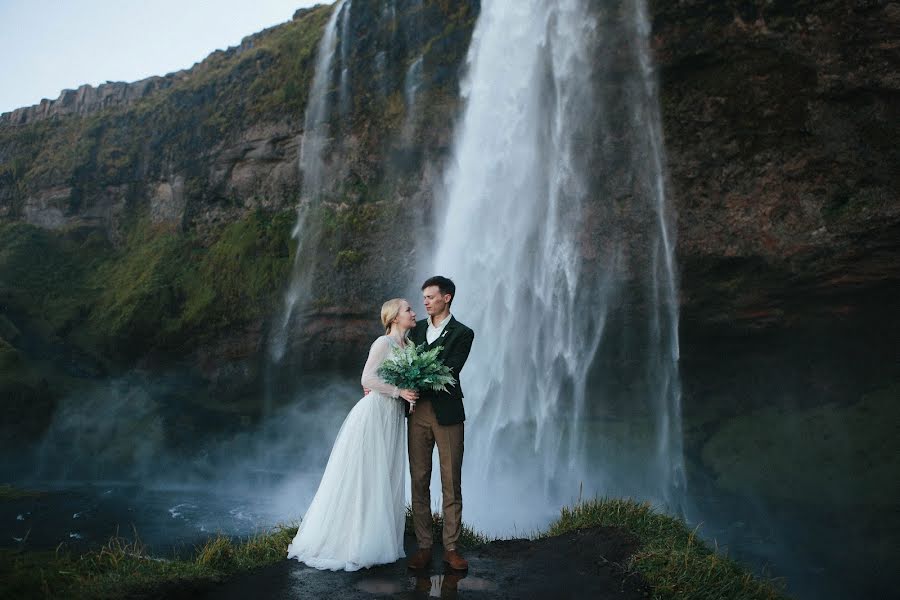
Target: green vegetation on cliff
69, 301
267, 78
161, 290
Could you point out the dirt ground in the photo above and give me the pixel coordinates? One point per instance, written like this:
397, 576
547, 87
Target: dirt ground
582, 564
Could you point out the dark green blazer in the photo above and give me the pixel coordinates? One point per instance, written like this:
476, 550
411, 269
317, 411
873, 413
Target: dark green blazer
456, 340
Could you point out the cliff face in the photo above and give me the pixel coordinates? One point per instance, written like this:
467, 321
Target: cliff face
168, 203
156, 230
86, 100
781, 120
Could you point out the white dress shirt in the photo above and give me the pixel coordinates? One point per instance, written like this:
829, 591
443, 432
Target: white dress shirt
434, 331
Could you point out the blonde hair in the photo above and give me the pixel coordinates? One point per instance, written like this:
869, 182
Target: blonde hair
389, 311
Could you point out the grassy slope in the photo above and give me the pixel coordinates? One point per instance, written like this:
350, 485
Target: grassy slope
673, 560
160, 286
675, 563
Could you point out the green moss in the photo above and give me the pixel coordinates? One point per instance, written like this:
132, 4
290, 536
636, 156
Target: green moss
347, 219
43, 275
166, 291
140, 290
7, 492
236, 277
161, 290
322, 302
293, 47
847, 453
347, 259
9, 356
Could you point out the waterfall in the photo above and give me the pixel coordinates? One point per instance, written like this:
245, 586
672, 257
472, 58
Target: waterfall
411, 84
344, 98
388, 23
664, 363
381, 74
312, 167
555, 228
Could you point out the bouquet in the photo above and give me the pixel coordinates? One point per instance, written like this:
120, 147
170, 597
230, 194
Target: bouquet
413, 368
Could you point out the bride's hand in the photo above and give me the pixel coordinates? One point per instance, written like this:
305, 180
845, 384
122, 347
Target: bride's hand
409, 395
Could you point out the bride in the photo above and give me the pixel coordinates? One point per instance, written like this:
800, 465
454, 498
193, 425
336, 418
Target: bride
357, 516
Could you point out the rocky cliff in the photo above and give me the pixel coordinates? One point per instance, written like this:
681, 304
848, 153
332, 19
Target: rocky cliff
780, 122
149, 223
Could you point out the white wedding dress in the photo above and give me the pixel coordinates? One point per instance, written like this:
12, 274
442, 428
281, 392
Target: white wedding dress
357, 516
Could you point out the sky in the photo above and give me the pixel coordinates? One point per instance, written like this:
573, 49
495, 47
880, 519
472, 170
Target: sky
51, 46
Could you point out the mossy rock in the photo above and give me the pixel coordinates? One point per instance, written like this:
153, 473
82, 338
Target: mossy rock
10, 358
844, 454
8, 330
8, 492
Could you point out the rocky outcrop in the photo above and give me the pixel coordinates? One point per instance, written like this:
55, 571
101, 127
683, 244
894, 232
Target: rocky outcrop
781, 120
86, 100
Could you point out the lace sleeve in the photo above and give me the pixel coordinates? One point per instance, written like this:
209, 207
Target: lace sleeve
380, 350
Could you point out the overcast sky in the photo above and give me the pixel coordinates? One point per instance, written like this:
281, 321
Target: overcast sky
50, 46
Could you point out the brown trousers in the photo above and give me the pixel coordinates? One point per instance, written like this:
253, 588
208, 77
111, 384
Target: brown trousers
423, 431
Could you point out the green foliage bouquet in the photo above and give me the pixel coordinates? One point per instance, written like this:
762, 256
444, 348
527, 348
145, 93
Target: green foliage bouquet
412, 368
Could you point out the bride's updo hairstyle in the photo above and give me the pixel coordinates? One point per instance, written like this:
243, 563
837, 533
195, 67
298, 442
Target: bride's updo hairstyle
389, 311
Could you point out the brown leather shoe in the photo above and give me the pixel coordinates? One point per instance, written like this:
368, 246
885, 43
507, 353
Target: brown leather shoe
420, 559
455, 560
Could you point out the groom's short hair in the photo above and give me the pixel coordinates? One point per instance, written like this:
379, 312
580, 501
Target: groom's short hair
444, 285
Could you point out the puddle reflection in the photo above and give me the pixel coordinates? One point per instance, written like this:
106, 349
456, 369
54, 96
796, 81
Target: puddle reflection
443, 585
380, 586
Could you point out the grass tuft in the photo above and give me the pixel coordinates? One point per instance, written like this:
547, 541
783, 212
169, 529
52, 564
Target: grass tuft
125, 567
673, 560
8, 492
217, 554
468, 537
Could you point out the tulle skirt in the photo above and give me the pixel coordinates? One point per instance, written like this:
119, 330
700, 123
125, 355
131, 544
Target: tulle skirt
357, 516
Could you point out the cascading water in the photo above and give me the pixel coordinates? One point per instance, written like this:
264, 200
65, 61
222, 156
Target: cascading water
411, 84
312, 166
662, 364
389, 23
557, 235
344, 98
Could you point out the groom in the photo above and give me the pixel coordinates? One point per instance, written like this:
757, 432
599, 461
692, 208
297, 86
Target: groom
438, 419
